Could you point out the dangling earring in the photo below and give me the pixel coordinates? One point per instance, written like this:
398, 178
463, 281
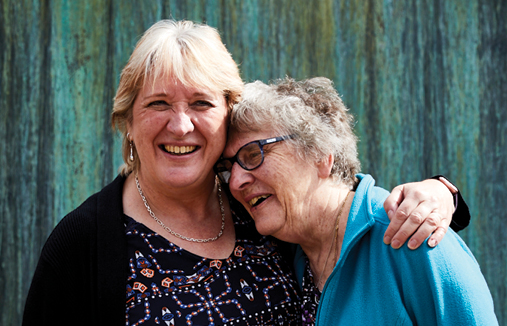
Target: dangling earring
131, 156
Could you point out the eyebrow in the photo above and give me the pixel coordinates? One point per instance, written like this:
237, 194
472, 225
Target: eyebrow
155, 95
201, 94
195, 94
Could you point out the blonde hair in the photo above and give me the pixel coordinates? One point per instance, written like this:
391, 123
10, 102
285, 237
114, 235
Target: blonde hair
313, 111
189, 52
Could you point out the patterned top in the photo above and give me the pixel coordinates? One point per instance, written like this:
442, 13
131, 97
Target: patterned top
311, 297
168, 285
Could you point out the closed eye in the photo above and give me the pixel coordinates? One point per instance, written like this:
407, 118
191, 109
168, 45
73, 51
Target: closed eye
202, 104
158, 105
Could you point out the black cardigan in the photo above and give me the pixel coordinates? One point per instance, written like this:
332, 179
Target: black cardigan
81, 274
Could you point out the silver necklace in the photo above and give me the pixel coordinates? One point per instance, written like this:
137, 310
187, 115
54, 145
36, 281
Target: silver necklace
176, 234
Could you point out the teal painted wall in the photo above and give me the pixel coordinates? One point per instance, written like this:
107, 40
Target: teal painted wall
425, 79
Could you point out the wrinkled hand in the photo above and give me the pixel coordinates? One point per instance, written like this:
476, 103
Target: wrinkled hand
422, 207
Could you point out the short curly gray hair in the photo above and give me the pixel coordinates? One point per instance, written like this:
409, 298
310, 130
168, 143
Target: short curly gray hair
310, 109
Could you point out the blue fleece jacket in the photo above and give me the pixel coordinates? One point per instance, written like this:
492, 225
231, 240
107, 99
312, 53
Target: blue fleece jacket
373, 284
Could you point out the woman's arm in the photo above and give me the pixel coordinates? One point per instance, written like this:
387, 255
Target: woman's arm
421, 209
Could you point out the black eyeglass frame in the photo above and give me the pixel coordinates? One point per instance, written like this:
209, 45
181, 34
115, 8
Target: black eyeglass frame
260, 143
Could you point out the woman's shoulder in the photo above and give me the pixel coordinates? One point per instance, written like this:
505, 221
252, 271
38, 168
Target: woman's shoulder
369, 200
79, 227
108, 199
73, 230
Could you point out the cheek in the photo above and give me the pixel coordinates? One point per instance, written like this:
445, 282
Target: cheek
218, 135
214, 121
291, 193
148, 122
222, 132
216, 127
215, 133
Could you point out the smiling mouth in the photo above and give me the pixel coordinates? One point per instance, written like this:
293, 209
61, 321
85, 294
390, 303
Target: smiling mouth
178, 150
258, 200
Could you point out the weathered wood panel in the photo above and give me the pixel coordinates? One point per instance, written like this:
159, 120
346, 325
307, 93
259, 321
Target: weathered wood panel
426, 80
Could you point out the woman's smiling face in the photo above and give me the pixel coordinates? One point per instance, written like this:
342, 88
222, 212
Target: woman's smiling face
179, 132
275, 192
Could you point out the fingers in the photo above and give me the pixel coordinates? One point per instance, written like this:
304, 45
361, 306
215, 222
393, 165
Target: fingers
437, 236
430, 224
391, 207
407, 221
393, 227
419, 225
393, 200
439, 233
416, 210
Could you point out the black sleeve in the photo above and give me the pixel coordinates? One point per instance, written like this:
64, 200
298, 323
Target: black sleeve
61, 288
461, 216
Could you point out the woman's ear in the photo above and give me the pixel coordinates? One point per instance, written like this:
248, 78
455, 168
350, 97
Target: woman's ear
325, 165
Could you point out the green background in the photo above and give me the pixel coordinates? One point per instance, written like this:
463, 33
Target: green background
426, 80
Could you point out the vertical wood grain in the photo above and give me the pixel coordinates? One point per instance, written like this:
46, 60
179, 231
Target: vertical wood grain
425, 79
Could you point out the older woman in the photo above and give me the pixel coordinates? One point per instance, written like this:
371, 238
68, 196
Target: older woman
293, 164
163, 243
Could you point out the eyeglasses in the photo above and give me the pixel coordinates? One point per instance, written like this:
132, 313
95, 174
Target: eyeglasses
250, 156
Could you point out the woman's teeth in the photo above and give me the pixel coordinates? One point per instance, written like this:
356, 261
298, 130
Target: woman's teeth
179, 149
257, 200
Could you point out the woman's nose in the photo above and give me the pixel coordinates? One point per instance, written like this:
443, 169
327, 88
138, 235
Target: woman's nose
240, 178
180, 124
